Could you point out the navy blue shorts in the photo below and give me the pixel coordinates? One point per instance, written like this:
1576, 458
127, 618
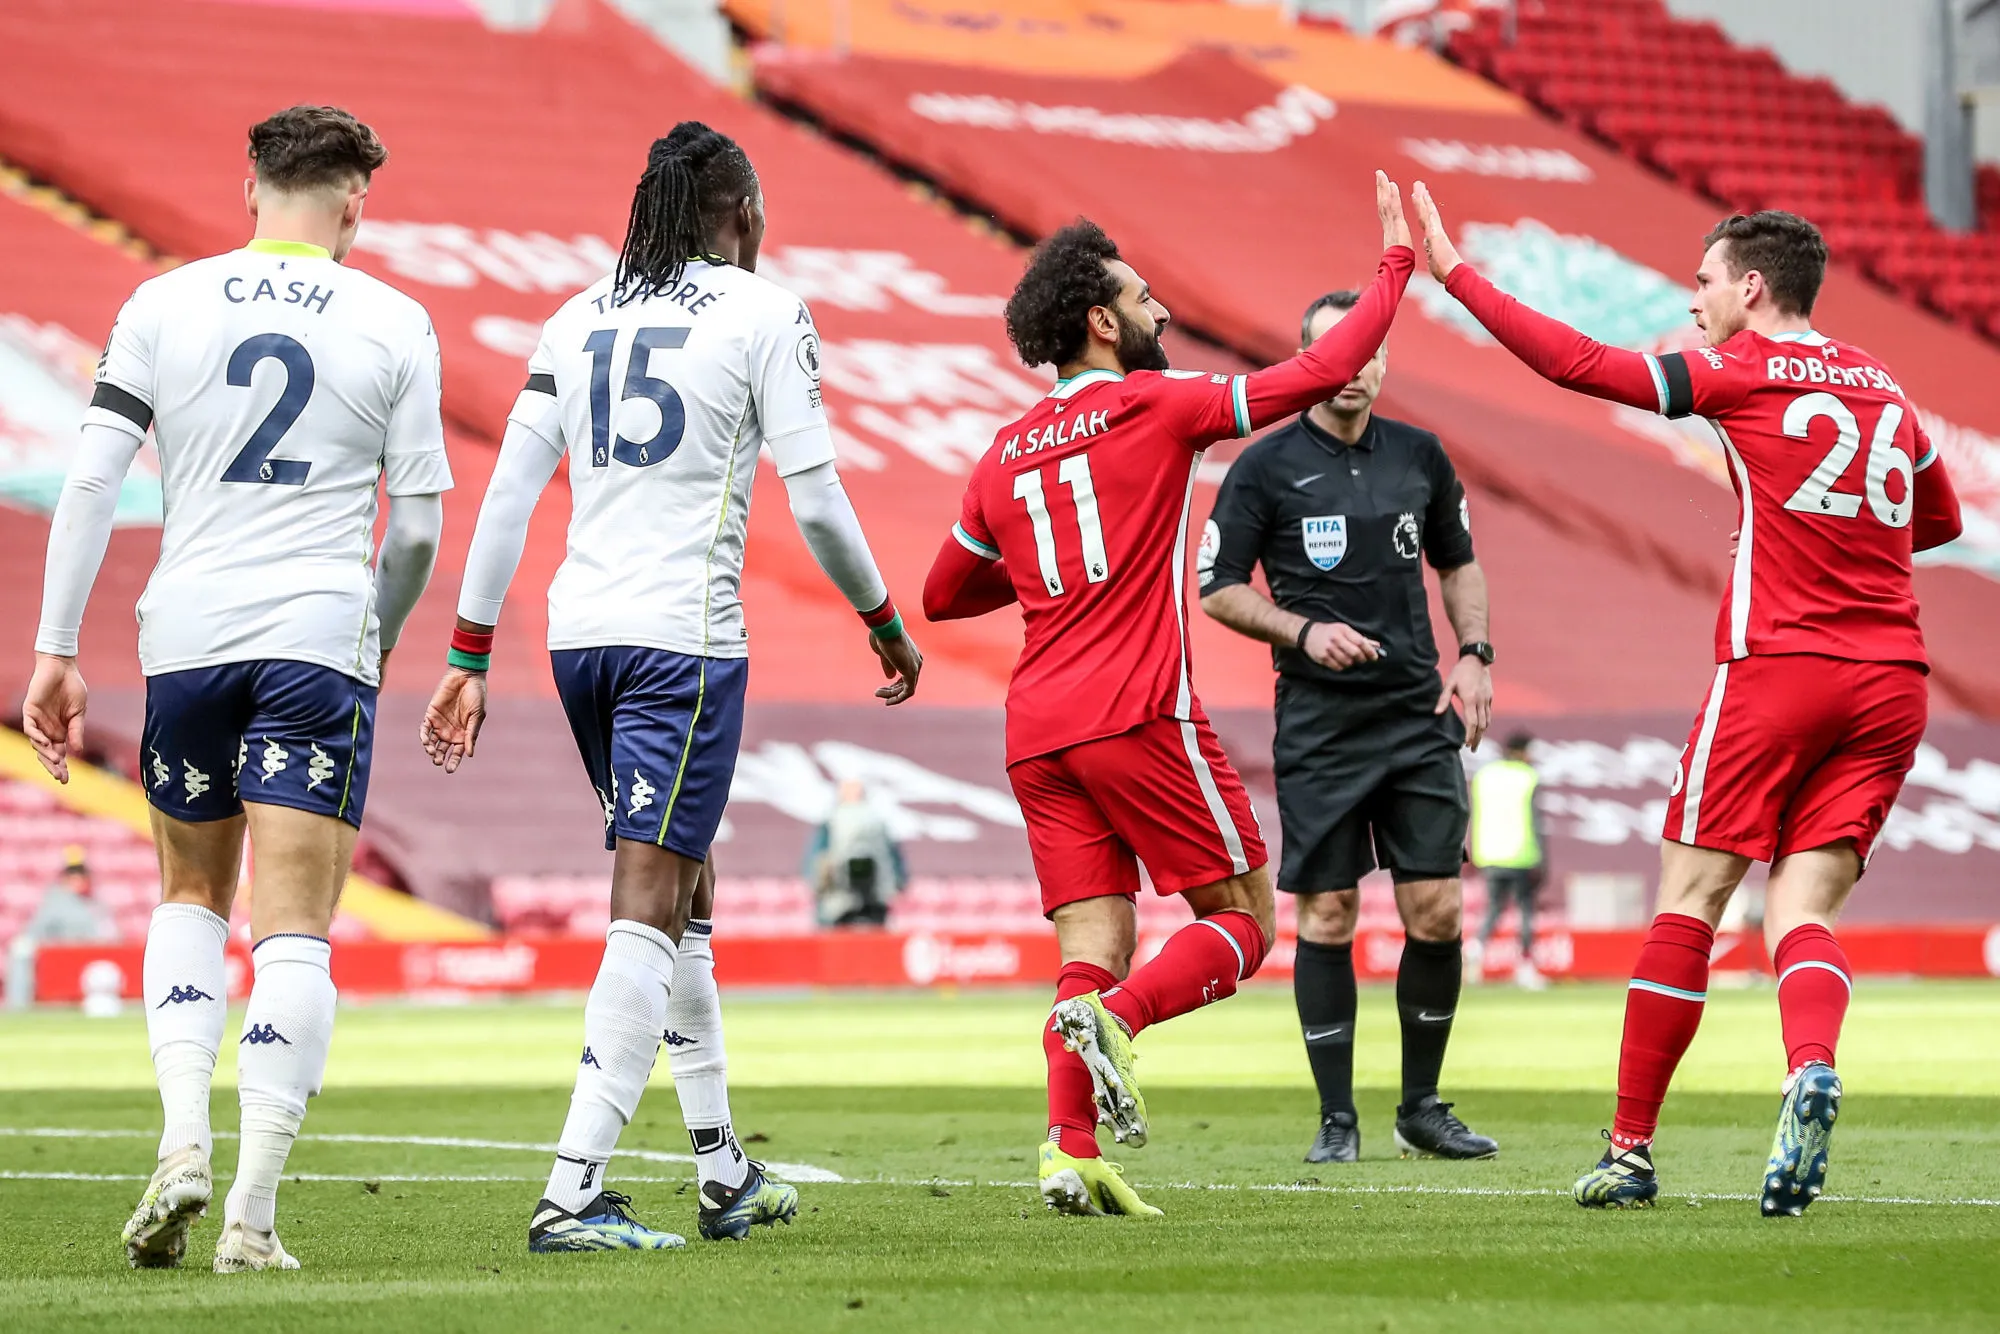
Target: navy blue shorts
284, 733
658, 732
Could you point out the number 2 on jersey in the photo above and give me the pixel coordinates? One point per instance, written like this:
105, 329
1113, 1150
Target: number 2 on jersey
1816, 494
639, 383
1074, 470
253, 462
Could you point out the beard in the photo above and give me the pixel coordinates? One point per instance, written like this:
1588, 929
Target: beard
1139, 348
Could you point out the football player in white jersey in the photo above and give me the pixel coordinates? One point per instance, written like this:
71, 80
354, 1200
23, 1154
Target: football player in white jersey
662, 382
280, 386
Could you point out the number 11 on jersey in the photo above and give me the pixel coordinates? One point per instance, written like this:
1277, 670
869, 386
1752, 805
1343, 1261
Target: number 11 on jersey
1075, 471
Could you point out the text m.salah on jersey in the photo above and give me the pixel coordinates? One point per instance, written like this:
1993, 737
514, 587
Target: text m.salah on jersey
1055, 435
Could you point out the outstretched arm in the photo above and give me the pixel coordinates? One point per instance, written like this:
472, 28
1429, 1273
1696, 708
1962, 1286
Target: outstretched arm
1549, 347
1320, 371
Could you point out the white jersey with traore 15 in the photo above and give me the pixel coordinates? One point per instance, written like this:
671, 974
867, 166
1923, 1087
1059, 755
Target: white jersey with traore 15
280, 386
663, 403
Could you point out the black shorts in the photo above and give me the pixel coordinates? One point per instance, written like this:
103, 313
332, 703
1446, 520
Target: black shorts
1367, 782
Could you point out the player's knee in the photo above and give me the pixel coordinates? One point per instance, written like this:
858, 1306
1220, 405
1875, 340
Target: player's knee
1432, 909
1329, 918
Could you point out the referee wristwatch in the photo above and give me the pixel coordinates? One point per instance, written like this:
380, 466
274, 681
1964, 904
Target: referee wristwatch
1479, 649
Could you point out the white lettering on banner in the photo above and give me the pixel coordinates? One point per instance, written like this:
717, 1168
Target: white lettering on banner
927, 958
801, 783
449, 255
947, 375
1966, 816
1509, 160
510, 965
942, 402
867, 279
1295, 113
506, 335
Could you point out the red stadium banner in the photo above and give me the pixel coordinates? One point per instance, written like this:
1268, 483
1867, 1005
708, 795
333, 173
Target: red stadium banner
512, 162
514, 964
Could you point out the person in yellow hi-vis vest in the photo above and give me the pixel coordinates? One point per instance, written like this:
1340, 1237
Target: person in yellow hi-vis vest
1508, 847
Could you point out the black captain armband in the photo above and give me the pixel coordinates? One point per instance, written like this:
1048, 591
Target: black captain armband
127, 405
540, 383
1676, 388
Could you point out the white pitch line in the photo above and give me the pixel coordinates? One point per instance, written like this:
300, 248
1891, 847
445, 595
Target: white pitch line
803, 1172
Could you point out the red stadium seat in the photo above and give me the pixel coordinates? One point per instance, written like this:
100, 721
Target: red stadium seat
1733, 123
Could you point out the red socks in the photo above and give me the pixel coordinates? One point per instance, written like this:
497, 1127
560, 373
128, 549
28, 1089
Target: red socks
1662, 1011
1200, 964
1072, 1114
1813, 990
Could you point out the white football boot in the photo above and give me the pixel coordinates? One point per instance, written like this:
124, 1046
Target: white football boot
241, 1250
179, 1193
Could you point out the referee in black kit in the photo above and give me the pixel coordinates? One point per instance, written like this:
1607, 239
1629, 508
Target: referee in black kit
1339, 507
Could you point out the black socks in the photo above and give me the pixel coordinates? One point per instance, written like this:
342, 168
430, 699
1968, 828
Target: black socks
1323, 986
1427, 983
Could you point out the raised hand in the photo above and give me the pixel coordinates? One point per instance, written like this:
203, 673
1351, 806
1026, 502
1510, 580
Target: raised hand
1438, 249
1389, 207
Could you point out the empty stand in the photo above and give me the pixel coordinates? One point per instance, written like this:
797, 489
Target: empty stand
1734, 124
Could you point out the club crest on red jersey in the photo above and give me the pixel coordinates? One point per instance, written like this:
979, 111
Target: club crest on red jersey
1325, 538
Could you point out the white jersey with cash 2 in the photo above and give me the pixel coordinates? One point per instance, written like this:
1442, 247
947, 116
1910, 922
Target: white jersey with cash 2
280, 387
663, 403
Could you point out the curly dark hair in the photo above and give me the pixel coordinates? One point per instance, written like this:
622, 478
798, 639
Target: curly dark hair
1046, 316
308, 147
1784, 247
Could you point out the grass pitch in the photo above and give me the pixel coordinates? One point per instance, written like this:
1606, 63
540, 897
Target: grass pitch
420, 1164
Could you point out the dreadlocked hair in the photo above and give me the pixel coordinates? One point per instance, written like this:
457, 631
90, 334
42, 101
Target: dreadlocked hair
693, 178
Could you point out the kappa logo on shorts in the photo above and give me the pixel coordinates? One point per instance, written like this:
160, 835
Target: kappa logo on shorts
242, 757
610, 805
320, 768
1325, 537
274, 764
195, 781
162, 775
641, 793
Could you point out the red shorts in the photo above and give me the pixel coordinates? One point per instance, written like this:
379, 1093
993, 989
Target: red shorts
1796, 751
1162, 793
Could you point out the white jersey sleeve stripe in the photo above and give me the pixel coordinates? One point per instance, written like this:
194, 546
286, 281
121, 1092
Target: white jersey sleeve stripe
1659, 381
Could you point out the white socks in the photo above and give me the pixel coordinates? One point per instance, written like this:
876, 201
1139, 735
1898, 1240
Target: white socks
622, 1026
699, 1061
280, 1061
186, 992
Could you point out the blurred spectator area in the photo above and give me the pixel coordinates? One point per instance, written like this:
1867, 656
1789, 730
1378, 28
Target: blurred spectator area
34, 831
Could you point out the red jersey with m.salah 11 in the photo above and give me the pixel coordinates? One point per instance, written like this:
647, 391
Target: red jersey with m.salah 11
1086, 499
1837, 481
